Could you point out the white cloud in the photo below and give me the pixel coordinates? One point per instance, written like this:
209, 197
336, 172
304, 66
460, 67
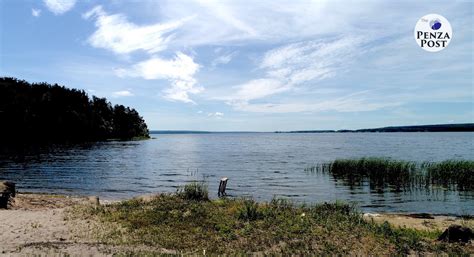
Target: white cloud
223, 59
357, 102
35, 12
59, 7
115, 33
330, 36
312, 60
179, 71
293, 65
259, 88
123, 93
222, 23
218, 115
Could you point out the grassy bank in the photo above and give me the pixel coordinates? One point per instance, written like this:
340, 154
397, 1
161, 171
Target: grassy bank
187, 222
380, 172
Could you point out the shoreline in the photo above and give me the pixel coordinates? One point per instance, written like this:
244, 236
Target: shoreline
42, 223
111, 200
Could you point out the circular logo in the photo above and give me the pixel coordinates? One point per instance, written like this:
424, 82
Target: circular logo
433, 32
435, 24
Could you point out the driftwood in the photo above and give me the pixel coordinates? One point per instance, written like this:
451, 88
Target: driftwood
222, 187
7, 191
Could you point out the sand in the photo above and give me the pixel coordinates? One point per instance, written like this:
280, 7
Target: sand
436, 222
36, 224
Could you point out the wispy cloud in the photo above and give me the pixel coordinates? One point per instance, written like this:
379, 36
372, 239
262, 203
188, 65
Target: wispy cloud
115, 33
312, 60
358, 102
35, 12
259, 88
179, 71
218, 115
294, 65
223, 59
59, 7
123, 93
290, 56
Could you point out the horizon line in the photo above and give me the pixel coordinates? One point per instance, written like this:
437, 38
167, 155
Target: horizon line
316, 130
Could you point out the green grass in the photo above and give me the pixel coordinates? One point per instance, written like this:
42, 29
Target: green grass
243, 226
382, 172
196, 191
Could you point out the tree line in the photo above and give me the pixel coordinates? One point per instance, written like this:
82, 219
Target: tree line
44, 112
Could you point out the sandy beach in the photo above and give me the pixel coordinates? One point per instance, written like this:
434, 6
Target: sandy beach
36, 223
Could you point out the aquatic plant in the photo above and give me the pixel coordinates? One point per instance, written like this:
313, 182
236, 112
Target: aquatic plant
451, 173
381, 172
378, 171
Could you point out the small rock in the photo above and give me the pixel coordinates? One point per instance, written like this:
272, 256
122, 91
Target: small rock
7, 187
7, 191
371, 215
457, 233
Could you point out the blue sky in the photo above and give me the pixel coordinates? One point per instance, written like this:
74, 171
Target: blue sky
248, 65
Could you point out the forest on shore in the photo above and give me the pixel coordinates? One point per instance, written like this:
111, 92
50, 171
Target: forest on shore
42, 112
461, 127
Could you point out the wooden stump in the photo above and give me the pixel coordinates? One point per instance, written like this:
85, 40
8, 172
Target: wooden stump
7, 190
222, 187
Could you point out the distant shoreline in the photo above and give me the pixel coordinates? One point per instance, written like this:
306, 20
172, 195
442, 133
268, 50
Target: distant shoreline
461, 127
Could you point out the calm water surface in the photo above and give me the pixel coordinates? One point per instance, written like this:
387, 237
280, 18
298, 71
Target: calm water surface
262, 165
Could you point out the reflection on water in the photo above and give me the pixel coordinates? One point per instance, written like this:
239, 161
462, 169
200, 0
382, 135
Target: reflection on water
262, 165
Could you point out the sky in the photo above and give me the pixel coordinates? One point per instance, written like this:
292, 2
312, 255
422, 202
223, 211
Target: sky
248, 65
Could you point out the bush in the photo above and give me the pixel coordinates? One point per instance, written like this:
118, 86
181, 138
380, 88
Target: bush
249, 211
195, 191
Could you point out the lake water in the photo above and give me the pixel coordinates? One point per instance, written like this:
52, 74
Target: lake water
261, 165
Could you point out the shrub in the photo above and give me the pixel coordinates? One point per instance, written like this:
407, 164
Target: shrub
195, 191
249, 210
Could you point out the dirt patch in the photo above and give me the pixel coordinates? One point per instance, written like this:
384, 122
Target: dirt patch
33, 202
420, 222
40, 224
37, 223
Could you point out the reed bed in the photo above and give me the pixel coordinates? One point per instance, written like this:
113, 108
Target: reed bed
382, 172
451, 173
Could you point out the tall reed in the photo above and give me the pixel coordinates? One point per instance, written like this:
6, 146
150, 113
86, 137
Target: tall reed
456, 174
